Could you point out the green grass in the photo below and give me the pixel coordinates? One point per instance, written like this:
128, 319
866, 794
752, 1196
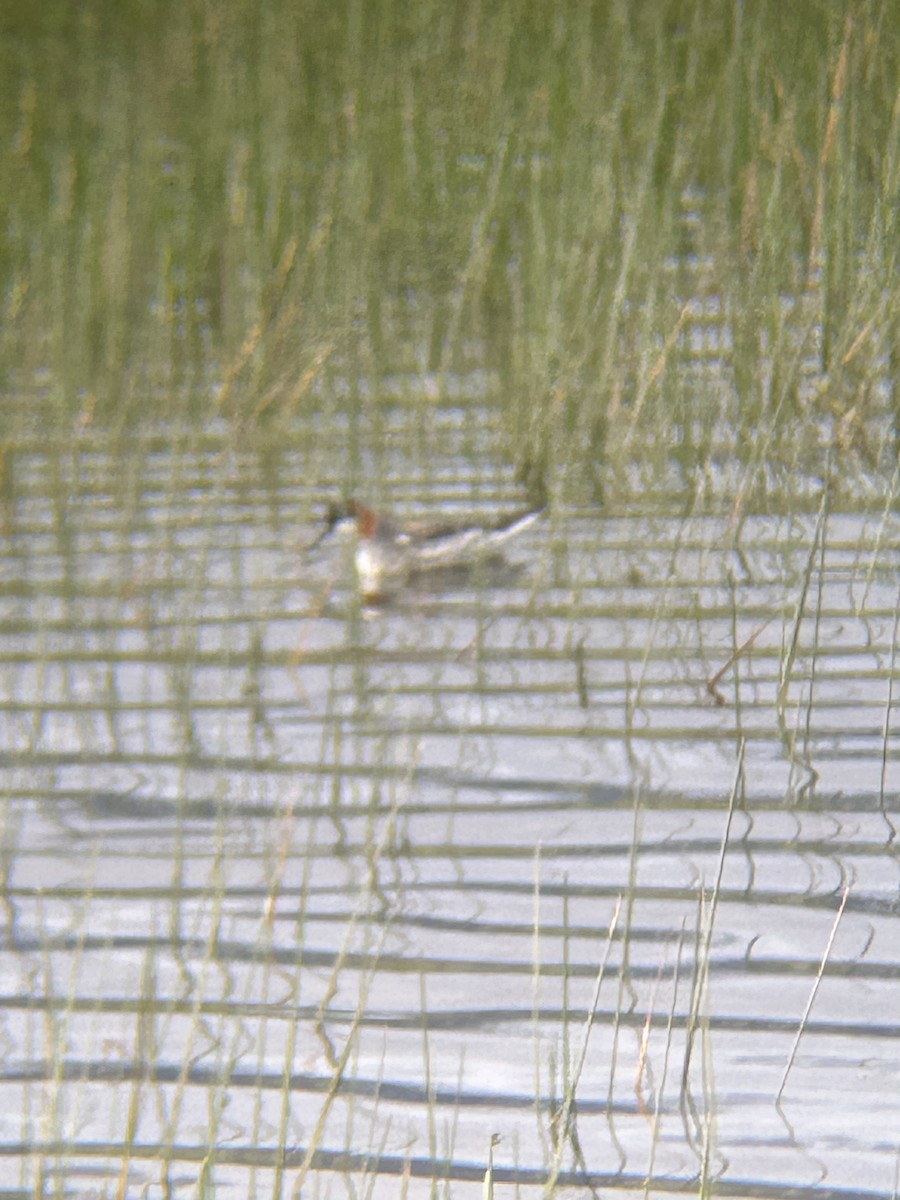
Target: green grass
263, 212
665, 236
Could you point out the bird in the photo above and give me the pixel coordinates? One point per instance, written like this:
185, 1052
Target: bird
388, 553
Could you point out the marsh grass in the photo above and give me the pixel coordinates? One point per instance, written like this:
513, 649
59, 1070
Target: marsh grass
256, 256
564, 1119
667, 232
845, 892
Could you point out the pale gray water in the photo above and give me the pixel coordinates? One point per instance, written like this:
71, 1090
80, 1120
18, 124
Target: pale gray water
245, 821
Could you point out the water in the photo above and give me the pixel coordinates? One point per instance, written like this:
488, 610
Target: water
282, 873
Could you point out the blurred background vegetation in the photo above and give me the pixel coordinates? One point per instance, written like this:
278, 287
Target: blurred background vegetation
660, 232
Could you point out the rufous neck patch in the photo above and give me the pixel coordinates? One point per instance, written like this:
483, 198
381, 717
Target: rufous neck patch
366, 520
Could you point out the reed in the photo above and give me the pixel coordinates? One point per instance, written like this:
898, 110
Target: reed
654, 230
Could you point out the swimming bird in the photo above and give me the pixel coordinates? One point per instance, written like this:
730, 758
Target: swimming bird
388, 553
